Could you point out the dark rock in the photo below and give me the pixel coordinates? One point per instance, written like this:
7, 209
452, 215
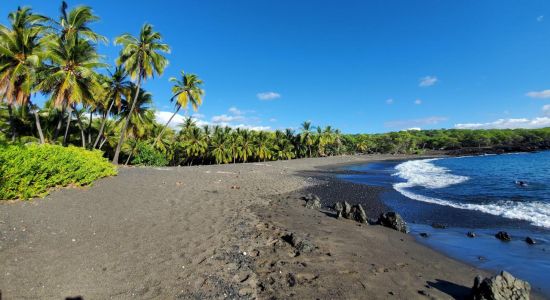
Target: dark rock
291, 279
503, 236
471, 234
339, 208
424, 234
313, 203
439, 225
393, 220
530, 241
500, 287
302, 245
358, 213
346, 212
307, 197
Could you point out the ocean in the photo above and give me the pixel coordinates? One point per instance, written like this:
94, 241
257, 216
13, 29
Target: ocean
481, 194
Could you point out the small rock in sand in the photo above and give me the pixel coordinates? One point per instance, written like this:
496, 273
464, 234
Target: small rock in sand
503, 236
301, 244
530, 241
393, 220
358, 213
424, 234
346, 212
471, 234
314, 203
339, 208
500, 287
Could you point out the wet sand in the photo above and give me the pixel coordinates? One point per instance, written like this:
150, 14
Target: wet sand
214, 232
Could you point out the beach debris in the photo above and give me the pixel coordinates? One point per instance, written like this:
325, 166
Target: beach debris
424, 234
503, 236
530, 241
500, 287
339, 208
439, 225
312, 201
358, 213
471, 234
235, 187
302, 245
393, 220
346, 212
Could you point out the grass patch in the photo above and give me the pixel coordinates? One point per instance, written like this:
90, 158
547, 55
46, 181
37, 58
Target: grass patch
31, 171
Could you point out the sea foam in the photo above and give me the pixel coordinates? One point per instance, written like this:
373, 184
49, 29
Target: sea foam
425, 174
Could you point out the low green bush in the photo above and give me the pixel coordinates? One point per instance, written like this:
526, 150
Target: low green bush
146, 155
32, 170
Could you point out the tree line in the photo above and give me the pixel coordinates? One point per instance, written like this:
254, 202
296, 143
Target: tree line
97, 106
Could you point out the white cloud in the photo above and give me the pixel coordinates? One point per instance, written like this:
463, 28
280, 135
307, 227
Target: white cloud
389, 101
415, 123
163, 116
539, 95
417, 101
546, 110
235, 111
226, 118
540, 18
427, 81
414, 129
272, 120
538, 122
266, 96
252, 127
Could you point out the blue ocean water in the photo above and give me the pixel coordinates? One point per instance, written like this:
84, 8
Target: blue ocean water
480, 194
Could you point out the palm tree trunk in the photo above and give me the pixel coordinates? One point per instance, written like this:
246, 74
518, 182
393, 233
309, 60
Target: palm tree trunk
90, 128
12, 123
164, 128
102, 143
82, 133
38, 126
129, 156
68, 123
102, 127
123, 132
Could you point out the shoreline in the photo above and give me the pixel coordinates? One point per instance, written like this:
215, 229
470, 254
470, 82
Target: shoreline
213, 232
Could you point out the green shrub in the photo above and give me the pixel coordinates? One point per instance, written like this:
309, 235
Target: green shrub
30, 171
146, 155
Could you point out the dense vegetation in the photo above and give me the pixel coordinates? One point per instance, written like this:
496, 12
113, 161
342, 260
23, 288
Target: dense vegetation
95, 106
30, 171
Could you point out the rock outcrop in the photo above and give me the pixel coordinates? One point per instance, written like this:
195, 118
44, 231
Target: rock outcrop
503, 236
358, 214
339, 208
393, 220
312, 201
501, 287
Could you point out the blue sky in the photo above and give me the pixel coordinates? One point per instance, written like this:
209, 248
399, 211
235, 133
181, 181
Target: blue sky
361, 66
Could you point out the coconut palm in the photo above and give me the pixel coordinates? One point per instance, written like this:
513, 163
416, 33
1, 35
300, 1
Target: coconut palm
70, 78
246, 147
141, 57
115, 87
76, 24
262, 147
306, 136
21, 55
194, 144
186, 90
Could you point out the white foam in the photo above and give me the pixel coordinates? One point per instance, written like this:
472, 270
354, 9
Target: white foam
424, 173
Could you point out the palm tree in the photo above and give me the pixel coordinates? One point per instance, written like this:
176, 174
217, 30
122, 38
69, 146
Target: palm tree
246, 147
21, 56
194, 143
76, 24
116, 86
187, 90
141, 58
306, 136
263, 152
71, 77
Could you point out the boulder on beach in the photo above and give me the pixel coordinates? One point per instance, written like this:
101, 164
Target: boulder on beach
503, 236
313, 203
339, 208
302, 245
471, 234
346, 212
500, 287
393, 220
358, 214
530, 240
